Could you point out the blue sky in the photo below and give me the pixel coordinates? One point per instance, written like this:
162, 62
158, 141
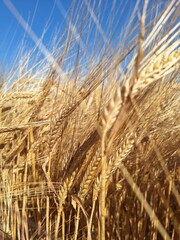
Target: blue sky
37, 13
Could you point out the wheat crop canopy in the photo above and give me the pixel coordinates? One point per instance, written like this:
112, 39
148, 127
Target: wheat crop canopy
90, 123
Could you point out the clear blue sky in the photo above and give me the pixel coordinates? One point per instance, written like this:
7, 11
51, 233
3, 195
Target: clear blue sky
38, 12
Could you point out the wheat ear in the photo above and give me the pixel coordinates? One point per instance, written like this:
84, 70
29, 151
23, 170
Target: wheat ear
62, 195
125, 148
108, 118
90, 175
154, 71
110, 113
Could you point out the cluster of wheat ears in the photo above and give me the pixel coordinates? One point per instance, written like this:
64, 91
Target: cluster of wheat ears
90, 149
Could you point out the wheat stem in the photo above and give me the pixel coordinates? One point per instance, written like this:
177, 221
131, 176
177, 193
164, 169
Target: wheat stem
144, 203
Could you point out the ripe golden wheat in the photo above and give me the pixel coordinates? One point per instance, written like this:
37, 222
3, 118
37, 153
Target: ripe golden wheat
93, 153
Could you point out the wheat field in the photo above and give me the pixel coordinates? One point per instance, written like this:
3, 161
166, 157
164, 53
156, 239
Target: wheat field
90, 142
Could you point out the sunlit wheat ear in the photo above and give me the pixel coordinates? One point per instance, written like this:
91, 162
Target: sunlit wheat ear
115, 161
154, 71
91, 173
13, 96
125, 148
110, 113
62, 194
96, 188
